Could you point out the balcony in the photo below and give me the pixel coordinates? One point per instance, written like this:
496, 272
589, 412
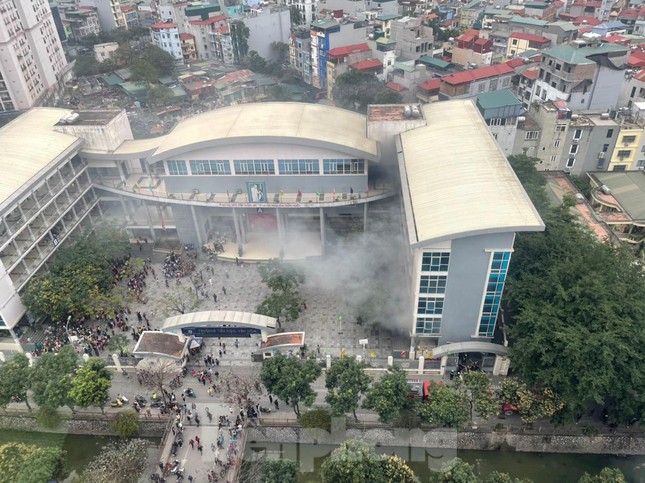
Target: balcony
154, 188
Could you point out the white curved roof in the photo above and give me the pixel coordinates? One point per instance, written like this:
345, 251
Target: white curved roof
456, 181
294, 122
215, 317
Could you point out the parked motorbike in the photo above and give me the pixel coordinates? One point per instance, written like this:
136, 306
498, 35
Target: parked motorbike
189, 392
157, 404
265, 410
140, 400
119, 401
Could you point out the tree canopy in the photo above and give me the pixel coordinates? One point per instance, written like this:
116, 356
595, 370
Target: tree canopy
290, 379
22, 463
283, 278
91, 384
279, 471
444, 407
51, 378
14, 380
576, 307
388, 396
355, 90
122, 462
346, 382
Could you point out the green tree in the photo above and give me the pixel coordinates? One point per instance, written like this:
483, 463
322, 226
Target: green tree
120, 343
318, 418
532, 403
397, 471
290, 379
281, 276
476, 389
158, 374
47, 417
284, 306
181, 301
532, 180
296, 16
159, 95
444, 407
388, 396
239, 38
14, 380
86, 65
91, 384
455, 471
51, 378
126, 423
279, 471
353, 462
607, 475
499, 477
22, 463
280, 51
122, 462
355, 90
583, 183
346, 382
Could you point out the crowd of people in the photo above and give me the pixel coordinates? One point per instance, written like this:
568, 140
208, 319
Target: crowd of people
175, 267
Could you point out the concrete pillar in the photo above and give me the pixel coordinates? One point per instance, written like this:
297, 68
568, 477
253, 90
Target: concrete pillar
323, 238
238, 234
119, 166
128, 215
281, 236
193, 212
444, 363
117, 362
242, 228
328, 361
365, 217
390, 361
420, 368
16, 339
501, 366
150, 224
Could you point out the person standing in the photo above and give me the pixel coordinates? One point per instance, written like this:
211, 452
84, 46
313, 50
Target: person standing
224, 290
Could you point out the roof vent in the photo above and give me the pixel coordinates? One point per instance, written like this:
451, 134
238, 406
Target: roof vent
605, 189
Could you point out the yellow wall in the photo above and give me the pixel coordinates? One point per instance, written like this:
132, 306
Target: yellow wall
628, 161
515, 50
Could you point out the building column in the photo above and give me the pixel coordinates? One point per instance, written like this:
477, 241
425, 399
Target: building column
128, 215
121, 172
278, 215
242, 228
323, 240
238, 234
365, 217
16, 339
197, 229
150, 224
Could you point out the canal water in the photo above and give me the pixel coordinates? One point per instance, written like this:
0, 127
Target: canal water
539, 467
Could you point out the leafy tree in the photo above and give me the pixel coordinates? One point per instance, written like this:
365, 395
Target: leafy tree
353, 462
181, 301
290, 379
239, 37
476, 389
346, 382
48, 417
397, 471
120, 343
297, 18
607, 475
532, 403
160, 95
126, 423
444, 407
122, 462
282, 305
91, 385
532, 180
280, 52
280, 471
277, 93
355, 90
157, 374
499, 477
14, 380
86, 65
51, 378
318, 418
22, 463
583, 183
281, 276
388, 396
455, 471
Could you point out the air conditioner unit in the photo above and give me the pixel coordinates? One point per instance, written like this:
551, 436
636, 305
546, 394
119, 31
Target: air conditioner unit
601, 155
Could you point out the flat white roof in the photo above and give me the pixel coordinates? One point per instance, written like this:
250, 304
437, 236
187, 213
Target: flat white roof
294, 122
456, 181
28, 144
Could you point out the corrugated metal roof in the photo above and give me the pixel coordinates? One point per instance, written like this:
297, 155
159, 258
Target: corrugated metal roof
453, 188
628, 187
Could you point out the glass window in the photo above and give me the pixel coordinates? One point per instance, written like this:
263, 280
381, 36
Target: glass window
435, 262
433, 284
298, 166
629, 139
343, 166
624, 153
254, 166
577, 134
493, 294
177, 168
430, 305
210, 167
428, 325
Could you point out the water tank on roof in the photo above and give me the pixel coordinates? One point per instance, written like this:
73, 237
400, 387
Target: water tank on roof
407, 111
605, 189
416, 112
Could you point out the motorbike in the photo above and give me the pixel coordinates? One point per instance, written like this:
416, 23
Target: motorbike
116, 403
176, 469
157, 404
189, 392
265, 410
140, 400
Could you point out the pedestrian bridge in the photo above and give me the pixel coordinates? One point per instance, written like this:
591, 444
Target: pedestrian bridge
220, 323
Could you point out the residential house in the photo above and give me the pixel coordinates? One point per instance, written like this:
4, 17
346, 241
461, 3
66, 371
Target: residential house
470, 12
476, 81
340, 58
81, 22
541, 10
188, 49
587, 76
413, 38
166, 37
526, 85
471, 50
130, 16
206, 33
103, 52
109, 13
429, 91
501, 110
300, 53
520, 43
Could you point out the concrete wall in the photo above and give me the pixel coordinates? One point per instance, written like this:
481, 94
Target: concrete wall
467, 278
186, 229
267, 27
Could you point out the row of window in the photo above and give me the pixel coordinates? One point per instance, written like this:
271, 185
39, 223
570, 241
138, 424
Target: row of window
435, 261
265, 166
493, 295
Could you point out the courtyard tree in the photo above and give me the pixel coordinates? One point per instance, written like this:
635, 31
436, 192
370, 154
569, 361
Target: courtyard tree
126, 423
283, 278
242, 387
455, 471
444, 407
51, 378
158, 374
14, 380
476, 389
91, 384
26, 463
240, 39
290, 379
607, 475
283, 306
532, 403
181, 301
388, 396
122, 462
397, 470
279, 471
346, 382
533, 181
355, 90
119, 343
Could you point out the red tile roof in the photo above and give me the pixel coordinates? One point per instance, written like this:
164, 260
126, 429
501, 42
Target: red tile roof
431, 85
209, 20
594, 4
478, 74
615, 39
531, 74
126, 8
628, 13
640, 75
348, 49
482, 41
567, 17
636, 59
186, 36
515, 62
587, 21
530, 37
396, 87
161, 25
367, 64
584, 30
